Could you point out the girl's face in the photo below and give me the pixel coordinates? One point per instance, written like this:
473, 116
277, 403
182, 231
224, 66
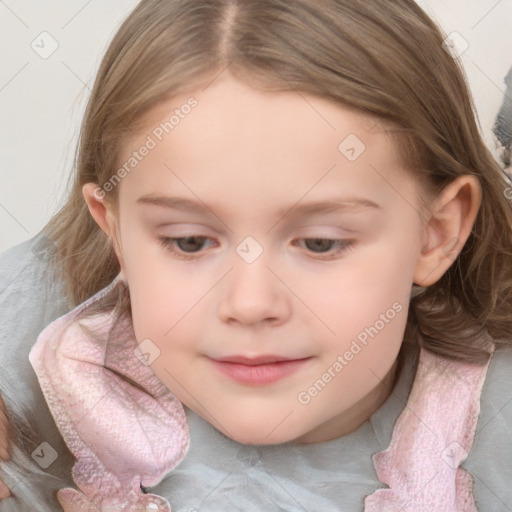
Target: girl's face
297, 234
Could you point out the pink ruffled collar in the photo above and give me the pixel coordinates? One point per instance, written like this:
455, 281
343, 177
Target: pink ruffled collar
431, 438
123, 435
126, 429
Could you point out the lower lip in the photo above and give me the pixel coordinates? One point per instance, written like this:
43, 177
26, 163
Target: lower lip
259, 375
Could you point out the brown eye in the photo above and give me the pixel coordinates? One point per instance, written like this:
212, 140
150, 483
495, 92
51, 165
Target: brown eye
187, 246
319, 244
190, 243
325, 245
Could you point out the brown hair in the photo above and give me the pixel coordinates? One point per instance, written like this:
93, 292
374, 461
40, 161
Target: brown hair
384, 58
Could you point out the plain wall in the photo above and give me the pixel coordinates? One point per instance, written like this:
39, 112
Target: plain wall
42, 97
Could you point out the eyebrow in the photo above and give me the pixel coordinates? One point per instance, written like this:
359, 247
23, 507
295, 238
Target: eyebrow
311, 208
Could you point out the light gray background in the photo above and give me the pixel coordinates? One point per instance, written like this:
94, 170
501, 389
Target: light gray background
42, 100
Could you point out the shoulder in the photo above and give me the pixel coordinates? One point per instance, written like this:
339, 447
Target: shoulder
28, 264
30, 299
490, 459
496, 397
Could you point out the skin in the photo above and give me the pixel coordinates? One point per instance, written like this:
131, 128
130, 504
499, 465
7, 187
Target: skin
254, 157
250, 155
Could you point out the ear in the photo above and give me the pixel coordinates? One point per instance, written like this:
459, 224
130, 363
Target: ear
104, 216
453, 215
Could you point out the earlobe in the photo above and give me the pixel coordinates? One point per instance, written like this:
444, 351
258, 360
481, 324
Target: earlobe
448, 228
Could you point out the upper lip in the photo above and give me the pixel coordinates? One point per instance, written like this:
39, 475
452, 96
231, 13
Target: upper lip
254, 361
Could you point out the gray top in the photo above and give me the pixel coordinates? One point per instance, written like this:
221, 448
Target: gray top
219, 474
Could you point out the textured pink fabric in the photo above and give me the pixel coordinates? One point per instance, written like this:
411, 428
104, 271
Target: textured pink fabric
431, 438
122, 436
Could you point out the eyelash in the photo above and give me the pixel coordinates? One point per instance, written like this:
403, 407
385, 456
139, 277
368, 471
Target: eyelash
169, 243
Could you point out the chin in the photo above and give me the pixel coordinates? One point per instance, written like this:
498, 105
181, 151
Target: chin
258, 439
259, 435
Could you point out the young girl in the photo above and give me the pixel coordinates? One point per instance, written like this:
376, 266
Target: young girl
338, 339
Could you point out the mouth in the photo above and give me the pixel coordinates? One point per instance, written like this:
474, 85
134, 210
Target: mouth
258, 371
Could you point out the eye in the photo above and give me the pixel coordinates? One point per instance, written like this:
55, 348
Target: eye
187, 245
324, 245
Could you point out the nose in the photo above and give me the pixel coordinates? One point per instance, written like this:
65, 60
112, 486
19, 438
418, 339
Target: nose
254, 294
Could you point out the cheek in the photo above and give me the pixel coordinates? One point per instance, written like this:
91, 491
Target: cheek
166, 298
376, 282
384, 301
153, 293
370, 311
161, 308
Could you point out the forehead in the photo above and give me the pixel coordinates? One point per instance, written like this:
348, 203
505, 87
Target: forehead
255, 139
227, 104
